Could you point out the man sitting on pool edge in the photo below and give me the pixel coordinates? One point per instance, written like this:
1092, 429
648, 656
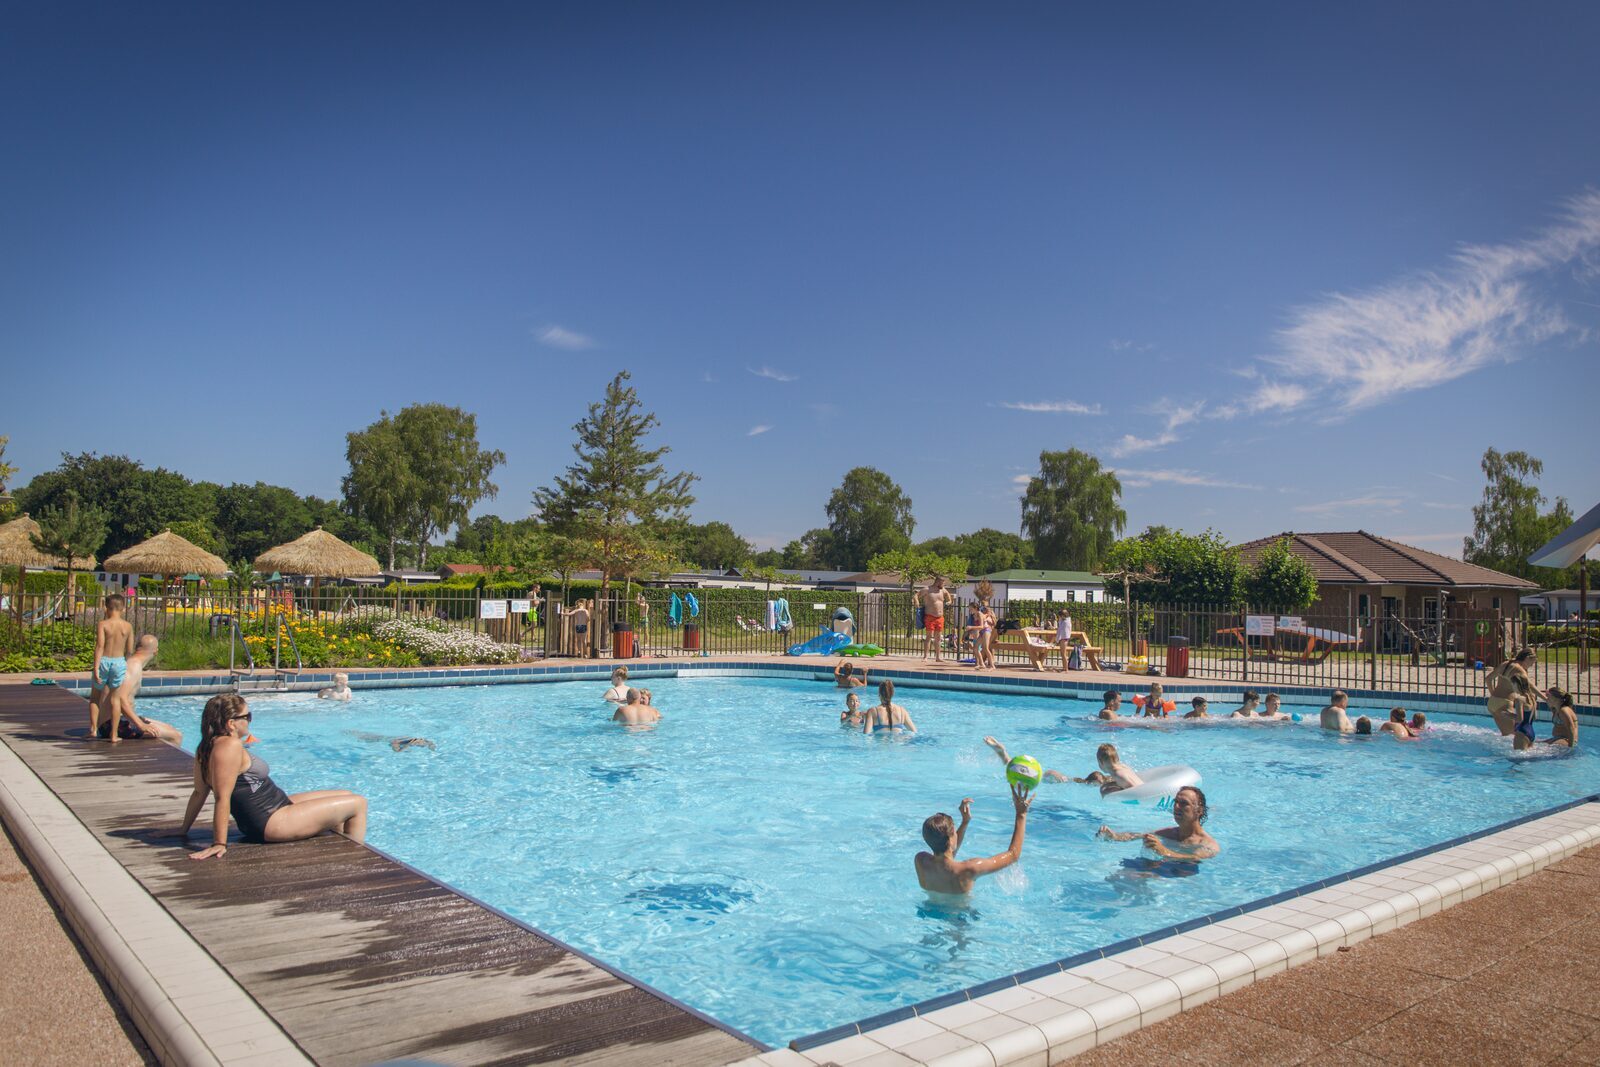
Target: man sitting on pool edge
938, 870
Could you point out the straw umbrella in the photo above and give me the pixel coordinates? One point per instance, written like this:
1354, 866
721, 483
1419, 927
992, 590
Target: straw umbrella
318, 555
16, 550
168, 555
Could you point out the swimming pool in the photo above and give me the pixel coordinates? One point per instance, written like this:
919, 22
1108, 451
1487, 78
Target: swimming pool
753, 860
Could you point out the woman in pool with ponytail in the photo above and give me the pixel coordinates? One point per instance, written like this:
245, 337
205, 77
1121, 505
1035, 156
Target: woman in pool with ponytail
887, 715
243, 789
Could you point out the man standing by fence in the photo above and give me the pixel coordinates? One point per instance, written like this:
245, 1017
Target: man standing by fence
932, 601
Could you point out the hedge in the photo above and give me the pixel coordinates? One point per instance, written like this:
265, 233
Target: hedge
49, 581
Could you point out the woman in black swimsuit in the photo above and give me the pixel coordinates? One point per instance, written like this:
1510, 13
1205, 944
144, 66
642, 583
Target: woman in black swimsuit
245, 791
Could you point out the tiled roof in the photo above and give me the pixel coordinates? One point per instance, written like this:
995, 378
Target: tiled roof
1356, 557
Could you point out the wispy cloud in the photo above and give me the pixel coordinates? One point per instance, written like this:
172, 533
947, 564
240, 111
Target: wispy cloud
1122, 344
1266, 397
1053, 407
555, 336
1441, 477
1438, 505
1143, 479
707, 377
756, 431
776, 375
1483, 308
1174, 416
1355, 503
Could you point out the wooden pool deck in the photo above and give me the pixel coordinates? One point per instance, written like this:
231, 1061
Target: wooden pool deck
357, 957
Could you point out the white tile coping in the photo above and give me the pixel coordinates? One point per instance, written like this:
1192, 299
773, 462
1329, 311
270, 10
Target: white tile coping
188, 1009
1049, 1019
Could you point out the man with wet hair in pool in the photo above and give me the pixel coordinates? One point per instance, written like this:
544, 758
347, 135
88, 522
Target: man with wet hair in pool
939, 871
1335, 718
1178, 849
1113, 701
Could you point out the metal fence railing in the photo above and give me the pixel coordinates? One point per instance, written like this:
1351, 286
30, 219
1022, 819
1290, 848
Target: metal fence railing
1258, 648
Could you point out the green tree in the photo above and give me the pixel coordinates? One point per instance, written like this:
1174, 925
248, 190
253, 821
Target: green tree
767, 557
1072, 511
253, 518
715, 544
1280, 579
988, 551
809, 551
1181, 568
7, 472
770, 573
417, 473
914, 566
867, 515
198, 533
450, 471
618, 499
137, 503
70, 532
1509, 525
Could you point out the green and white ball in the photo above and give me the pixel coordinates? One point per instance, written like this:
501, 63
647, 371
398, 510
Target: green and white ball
1024, 771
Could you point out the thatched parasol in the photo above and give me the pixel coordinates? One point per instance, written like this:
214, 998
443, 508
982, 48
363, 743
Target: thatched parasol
318, 554
16, 550
166, 554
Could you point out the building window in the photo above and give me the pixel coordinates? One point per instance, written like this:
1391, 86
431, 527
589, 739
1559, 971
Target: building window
1072, 596
1364, 607
1049, 594
1494, 603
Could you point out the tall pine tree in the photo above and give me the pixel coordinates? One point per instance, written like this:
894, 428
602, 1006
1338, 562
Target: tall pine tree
617, 501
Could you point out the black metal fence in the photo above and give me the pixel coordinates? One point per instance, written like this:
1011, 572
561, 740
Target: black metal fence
1258, 648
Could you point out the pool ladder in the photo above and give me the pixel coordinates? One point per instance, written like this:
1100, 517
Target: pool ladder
253, 679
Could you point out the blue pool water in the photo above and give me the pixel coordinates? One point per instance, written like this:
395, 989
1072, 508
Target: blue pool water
754, 860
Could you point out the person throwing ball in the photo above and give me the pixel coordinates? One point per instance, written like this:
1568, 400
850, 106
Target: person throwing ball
939, 871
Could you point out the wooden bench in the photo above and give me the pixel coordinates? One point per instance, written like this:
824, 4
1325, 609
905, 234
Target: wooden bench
1038, 644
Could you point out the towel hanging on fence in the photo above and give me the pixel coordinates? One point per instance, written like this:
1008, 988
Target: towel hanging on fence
694, 605
780, 615
675, 611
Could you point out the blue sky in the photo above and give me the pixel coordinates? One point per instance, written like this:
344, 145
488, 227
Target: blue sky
1283, 269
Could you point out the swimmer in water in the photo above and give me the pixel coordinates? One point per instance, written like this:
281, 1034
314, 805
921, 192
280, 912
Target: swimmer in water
1335, 717
411, 742
1364, 726
939, 871
1271, 712
1112, 777
846, 677
1187, 842
851, 715
1198, 709
1247, 705
1564, 716
1155, 703
1113, 701
1419, 722
618, 693
636, 713
1397, 725
340, 689
887, 715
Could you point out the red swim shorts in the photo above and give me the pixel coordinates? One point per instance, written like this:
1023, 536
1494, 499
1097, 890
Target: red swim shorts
933, 623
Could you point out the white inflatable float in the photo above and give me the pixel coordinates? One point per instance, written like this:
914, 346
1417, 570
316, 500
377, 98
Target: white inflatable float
1160, 785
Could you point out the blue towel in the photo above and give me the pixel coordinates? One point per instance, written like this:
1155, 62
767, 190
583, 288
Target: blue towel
675, 612
694, 605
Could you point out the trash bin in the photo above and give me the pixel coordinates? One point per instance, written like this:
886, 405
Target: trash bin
1177, 657
691, 637
622, 640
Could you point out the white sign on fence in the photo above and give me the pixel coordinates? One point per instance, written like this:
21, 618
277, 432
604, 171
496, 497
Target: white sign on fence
1259, 626
521, 607
1291, 622
492, 609
819, 607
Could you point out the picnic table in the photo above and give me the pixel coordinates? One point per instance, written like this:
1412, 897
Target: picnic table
1047, 634
1320, 643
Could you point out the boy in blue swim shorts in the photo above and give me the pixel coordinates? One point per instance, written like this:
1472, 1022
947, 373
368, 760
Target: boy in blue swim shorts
113, 643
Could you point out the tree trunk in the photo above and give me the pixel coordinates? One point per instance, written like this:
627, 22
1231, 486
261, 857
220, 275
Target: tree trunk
392, 540
72, 592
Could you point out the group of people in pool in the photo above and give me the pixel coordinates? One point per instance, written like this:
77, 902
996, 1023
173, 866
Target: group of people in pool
634, 707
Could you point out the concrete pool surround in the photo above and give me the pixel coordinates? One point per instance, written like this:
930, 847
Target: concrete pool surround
1041, 1015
